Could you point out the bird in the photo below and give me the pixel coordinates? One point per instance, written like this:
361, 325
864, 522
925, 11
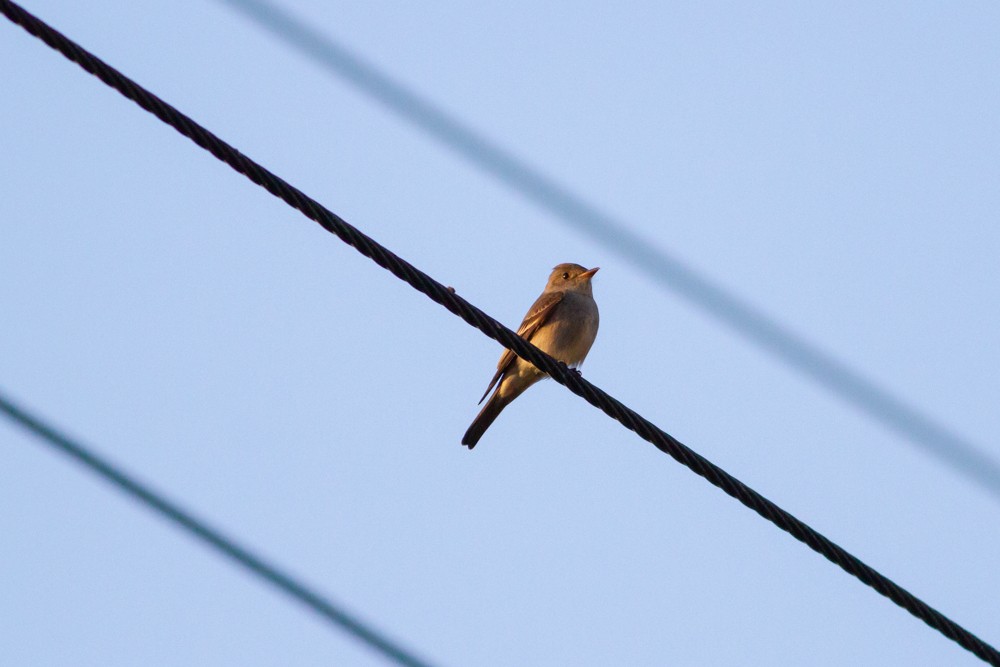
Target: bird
562, 322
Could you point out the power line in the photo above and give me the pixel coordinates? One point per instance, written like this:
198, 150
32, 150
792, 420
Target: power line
228, 547
807, 358
492, 328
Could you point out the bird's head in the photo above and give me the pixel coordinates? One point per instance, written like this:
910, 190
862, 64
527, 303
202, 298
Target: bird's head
571, 277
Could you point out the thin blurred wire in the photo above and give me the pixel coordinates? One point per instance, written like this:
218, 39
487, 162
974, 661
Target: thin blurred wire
475, 317
226, 546
807, 358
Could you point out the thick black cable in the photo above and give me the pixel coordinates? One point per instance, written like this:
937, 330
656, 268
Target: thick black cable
228, 547
877, 402
492, 328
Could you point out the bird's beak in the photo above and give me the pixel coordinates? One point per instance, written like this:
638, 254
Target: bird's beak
590, 274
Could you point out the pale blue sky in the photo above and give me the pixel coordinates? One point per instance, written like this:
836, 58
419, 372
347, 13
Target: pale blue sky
834, 164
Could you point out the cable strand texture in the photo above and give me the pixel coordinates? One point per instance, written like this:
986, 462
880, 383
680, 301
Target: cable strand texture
495, 330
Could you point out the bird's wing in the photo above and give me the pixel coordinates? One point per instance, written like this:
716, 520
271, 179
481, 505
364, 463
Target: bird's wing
537, 314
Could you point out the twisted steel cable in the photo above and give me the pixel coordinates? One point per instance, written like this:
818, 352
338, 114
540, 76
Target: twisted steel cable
495, 330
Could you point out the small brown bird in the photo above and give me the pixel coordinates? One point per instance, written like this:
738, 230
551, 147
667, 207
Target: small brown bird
562, 322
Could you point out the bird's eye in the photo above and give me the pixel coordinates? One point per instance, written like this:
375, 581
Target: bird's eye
565, 276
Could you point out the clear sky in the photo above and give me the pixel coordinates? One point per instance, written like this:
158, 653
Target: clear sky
834, 164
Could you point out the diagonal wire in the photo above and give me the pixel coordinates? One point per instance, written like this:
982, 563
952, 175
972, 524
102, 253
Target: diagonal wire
492, 328
807, 358
228, 547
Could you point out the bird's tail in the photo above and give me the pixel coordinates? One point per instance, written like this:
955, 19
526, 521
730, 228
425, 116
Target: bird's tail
484, 419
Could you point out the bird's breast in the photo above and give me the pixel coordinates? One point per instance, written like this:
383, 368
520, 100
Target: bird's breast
571, 329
